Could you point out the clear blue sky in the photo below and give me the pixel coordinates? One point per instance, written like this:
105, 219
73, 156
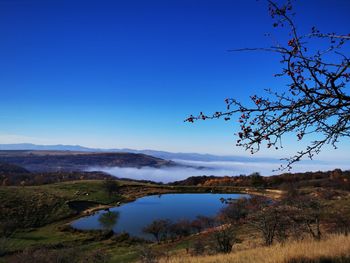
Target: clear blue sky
126, 73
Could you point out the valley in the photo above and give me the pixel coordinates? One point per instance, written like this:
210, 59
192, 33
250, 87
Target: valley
36, 216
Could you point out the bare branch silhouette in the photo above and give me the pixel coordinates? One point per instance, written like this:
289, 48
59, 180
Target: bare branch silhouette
315, 101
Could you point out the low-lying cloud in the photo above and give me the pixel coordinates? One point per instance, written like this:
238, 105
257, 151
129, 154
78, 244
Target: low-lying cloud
164, 175
217, 168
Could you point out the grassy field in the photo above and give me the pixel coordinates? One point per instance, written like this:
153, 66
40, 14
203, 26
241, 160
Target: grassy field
35, 206
42, 212
335, 248
45, 211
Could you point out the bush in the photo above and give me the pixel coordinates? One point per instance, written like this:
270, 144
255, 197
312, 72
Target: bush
158, 228
147, 255
198, 248
110, 186
224, 239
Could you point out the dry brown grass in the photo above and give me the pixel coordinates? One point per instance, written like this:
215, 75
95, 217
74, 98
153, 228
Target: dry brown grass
334, 246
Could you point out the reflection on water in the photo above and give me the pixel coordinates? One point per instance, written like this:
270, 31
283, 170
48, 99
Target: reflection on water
133, 217
108, 220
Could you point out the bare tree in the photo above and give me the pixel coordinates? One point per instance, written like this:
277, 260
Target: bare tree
269, 218
235, 212
315, 101
312, 217
309, 214
181, 228
224, 239
266, 221
158, 228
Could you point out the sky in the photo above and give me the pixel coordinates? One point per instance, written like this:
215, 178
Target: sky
125, 74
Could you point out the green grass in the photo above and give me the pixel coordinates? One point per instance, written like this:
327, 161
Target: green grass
48, 235
77, 190
123, 254
43, 210
49, 203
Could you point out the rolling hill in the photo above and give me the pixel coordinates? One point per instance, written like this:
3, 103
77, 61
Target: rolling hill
53, 161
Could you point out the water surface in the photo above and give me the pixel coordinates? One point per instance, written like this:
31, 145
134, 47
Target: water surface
133, 217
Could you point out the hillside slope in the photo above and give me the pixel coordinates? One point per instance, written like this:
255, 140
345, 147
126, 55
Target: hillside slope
53, 161
335, 248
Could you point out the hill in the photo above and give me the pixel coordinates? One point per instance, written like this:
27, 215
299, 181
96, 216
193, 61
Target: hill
53, 161
6, 168
159, 154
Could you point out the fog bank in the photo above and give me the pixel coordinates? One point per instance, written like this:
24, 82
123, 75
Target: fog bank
217, 168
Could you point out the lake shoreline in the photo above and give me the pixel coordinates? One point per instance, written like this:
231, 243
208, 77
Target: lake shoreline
133, 196
165, 189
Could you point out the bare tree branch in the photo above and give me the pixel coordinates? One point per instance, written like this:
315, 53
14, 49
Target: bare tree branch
315, 101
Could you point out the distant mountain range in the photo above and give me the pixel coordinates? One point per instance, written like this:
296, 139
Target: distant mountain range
160, 154
35, 147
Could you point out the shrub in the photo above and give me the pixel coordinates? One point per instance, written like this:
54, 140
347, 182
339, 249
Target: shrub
110, 186
198, 248
147, 255
158, 228
224, 239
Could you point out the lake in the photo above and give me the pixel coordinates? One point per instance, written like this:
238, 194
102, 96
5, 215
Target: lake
133, 217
